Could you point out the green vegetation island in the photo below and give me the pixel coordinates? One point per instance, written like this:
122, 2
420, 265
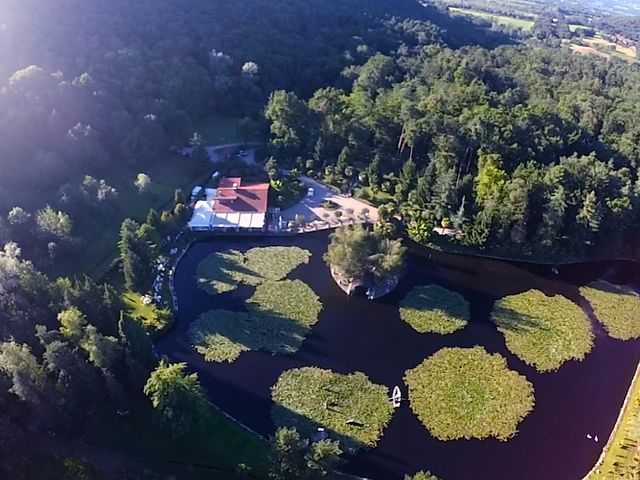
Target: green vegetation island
468, 393
433, 309
544, 332
504, 129
353, 408
360, 258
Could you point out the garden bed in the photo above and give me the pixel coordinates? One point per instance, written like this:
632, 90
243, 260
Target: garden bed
616, 307
279, 315
545, 332
352, 408
433, 309
468, 393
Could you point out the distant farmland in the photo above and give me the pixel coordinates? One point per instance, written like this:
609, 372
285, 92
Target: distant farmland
525, 25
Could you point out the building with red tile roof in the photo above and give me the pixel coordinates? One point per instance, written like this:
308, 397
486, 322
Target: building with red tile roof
232, 205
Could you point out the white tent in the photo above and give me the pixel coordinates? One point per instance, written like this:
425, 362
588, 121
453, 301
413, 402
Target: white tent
211, 194
238, 220
201, 218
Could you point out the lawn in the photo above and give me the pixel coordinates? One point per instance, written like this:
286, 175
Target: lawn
222, 445
525, 25
155, 320
622, 455
280, 314
222, 272
99, 233
352, 408
219, 130
375, 196
468, 393
433, 309
544, 332
616, 307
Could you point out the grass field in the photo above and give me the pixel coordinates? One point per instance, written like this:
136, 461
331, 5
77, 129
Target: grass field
468, 393
601, 47
218, 449
525, 25
219, 129
599, 42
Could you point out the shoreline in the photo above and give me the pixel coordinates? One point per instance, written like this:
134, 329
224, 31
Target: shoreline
515, 259
628, 413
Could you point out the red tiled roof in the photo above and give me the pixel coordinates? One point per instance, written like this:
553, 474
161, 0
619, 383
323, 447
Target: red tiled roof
227, 182
246, 198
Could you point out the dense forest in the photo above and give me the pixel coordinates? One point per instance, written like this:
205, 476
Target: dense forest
525, 149
84, 88
622, 25
88, 88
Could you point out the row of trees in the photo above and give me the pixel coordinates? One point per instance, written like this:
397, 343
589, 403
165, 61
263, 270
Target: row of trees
65, 350
529, 149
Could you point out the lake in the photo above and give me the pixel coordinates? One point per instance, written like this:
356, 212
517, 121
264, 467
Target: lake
355, 334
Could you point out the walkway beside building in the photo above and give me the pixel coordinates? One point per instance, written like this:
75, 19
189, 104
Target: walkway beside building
318, 216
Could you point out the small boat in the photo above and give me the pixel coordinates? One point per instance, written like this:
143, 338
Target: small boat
396, 397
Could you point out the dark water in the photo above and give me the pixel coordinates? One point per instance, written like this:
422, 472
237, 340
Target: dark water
355, 334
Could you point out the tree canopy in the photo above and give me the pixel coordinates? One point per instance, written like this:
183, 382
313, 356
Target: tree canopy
357, 252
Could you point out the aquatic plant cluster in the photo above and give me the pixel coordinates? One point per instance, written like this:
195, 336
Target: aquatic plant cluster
277, 317
616, 307
223, 271
468, 393
434, 309
456, 393
545, 332
353, 409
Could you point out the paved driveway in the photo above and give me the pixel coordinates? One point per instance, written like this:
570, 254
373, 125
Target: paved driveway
250, 148
314, 211
216, 152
